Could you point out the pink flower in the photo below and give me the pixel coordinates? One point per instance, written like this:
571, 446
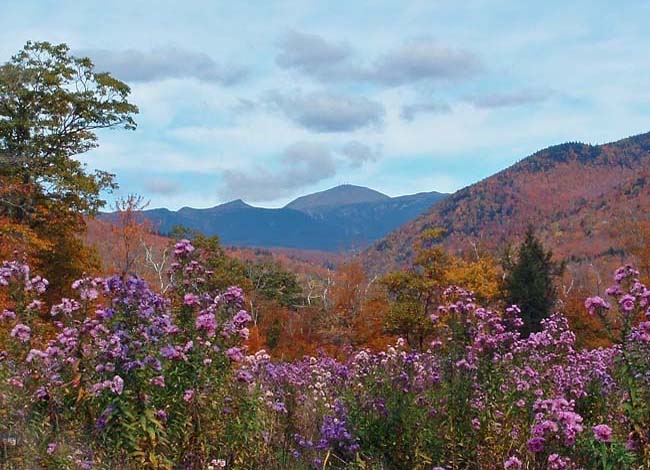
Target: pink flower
234, 354
191, 300
602, 433
183, 247
117, 385
593, 304
242, 317
643, 331
207, 322
513, 463
188, 395
16, 382
22, 332
627, 303
536, 445
158, 381
7, 315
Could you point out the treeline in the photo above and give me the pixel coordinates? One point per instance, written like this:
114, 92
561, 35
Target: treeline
300, 307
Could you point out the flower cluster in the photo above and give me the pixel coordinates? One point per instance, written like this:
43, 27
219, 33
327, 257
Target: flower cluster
156, 375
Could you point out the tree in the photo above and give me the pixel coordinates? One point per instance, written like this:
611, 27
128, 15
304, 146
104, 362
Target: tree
528, 281
130, 230
415, 294
51, 105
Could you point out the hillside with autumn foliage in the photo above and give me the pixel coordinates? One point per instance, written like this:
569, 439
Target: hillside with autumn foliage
578, 196
122, 348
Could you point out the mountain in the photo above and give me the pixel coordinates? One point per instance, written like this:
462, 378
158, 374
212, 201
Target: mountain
344, 194
576, 195
340, 219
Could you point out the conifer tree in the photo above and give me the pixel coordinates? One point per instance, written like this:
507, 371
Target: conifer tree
528, 281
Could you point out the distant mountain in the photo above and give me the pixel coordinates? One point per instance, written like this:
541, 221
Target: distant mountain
576, 195
343, 218
339, 196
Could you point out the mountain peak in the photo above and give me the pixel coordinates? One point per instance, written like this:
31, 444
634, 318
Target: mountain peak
337, 196
236, 204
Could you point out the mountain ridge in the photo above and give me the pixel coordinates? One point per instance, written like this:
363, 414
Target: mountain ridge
350, 220
572, 192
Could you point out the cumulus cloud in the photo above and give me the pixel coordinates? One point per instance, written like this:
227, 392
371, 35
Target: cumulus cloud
311, 54
161, 186
163, 63
358, 154
410, 111
424, 60
503, 100
328, 112
412, 62
301, 164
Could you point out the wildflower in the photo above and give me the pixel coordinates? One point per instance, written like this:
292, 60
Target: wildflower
191, 300
633, 443
242, 317
183, 247
557, 462
35, 305
22, 332
117, 385
161, 415
207, 322
102, 421
52, 447
513, 463
234, 354
244, 376
188, 395
16, 382
158, 381
627, 303
536, 444
7, 315
602, 433
643, 331
593, 304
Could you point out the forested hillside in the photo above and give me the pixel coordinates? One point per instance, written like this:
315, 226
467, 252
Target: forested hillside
576, 194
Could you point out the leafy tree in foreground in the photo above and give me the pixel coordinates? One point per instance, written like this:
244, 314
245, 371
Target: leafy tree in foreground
416, 293
51, 105
528, 282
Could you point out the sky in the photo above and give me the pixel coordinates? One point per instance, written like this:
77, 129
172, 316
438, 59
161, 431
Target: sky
269, 100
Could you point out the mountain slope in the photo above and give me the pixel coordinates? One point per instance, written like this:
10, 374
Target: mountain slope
574, 193
327, 221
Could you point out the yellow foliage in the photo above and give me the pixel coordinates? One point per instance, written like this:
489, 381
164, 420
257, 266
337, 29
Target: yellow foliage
481, 276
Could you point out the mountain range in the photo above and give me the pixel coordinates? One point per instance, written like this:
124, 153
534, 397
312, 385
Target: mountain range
579, 197
343, 218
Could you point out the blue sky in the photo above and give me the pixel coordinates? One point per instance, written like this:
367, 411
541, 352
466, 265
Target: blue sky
269, 100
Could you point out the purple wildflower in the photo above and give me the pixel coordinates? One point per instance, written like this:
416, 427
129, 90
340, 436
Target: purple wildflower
602, 433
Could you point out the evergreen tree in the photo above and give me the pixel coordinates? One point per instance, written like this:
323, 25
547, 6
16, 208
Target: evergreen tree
528, 282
